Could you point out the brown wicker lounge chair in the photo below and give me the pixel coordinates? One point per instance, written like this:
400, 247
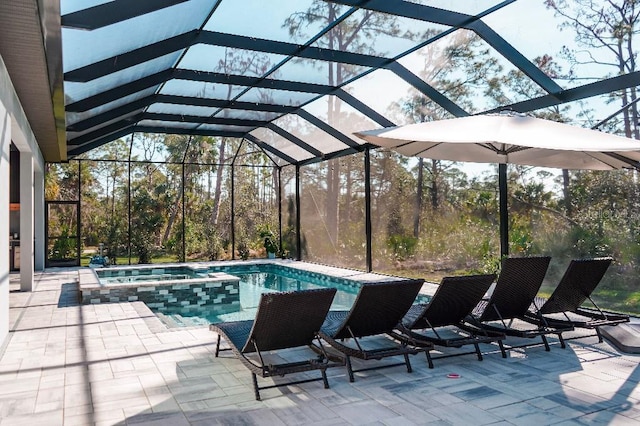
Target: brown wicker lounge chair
507, 310
441, 318
377, 310
564, 305
283, 320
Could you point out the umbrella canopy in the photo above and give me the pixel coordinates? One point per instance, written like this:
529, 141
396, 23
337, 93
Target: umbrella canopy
509, 138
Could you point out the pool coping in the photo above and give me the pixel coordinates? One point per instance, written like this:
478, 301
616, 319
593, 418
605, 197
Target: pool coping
88, 279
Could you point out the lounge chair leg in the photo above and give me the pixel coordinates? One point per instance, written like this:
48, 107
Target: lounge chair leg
478, 351
546, 344
429, 360
255, 386
600, 339
349, 370
502, 351
218, 346
406, 361
563, 345
324, 378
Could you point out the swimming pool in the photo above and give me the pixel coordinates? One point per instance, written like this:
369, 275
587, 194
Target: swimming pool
253, 282
202, 293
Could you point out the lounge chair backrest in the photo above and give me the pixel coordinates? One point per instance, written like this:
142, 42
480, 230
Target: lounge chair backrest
289, 319
454, 299
518, 283
379, 307
578, 282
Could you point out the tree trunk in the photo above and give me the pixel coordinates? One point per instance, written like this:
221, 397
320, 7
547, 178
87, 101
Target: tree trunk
347, 205
113, 196
419, 199
378, 192
566, 181
634, 115
174, 213
333, 166
172, 218
274, 181
435, 182
218, 192
625, 100
333, 189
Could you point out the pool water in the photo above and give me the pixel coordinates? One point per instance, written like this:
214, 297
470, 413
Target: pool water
118, 275
255, 279
252, 285
149, 277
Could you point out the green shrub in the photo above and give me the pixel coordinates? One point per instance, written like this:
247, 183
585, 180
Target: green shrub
402, 246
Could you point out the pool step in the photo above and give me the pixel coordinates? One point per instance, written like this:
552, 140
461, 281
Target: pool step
167, 320
175, 320
189, 321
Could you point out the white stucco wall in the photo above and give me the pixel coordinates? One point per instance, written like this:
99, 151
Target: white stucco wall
15, 127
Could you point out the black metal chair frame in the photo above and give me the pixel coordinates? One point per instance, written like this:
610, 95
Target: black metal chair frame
284, 320
580, 279
518, 283
377, 310
452, 302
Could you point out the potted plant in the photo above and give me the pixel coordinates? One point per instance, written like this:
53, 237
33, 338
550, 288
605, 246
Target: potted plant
270, 241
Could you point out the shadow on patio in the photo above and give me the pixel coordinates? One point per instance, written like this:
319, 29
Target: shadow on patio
118, 364
582, 383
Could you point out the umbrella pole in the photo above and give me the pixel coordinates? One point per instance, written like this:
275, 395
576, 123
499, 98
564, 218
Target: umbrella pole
504, 212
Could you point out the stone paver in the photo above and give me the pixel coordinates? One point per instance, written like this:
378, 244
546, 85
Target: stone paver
118, 364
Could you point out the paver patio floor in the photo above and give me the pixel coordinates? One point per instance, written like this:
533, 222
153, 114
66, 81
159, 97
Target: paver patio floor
118, 364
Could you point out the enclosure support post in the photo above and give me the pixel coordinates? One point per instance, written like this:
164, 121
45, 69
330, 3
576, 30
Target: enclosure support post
184, 245
298, 233
367, 206
279, 198
184, 236
129, 199
233, 214
233, 201
504, 212
79, 216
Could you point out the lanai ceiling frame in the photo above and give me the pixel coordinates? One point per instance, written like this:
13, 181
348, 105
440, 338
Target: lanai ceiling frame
127, 103
125, 124
90, 122
101, 135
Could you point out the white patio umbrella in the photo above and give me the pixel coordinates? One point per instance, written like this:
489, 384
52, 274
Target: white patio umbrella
509, 138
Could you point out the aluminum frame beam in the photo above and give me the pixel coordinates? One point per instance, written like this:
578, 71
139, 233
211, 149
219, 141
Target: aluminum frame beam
427, 90
191, 75
597, 88
182, 41
294, 139
327, 128
460, 20
147, 101
265, 146
112, 12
